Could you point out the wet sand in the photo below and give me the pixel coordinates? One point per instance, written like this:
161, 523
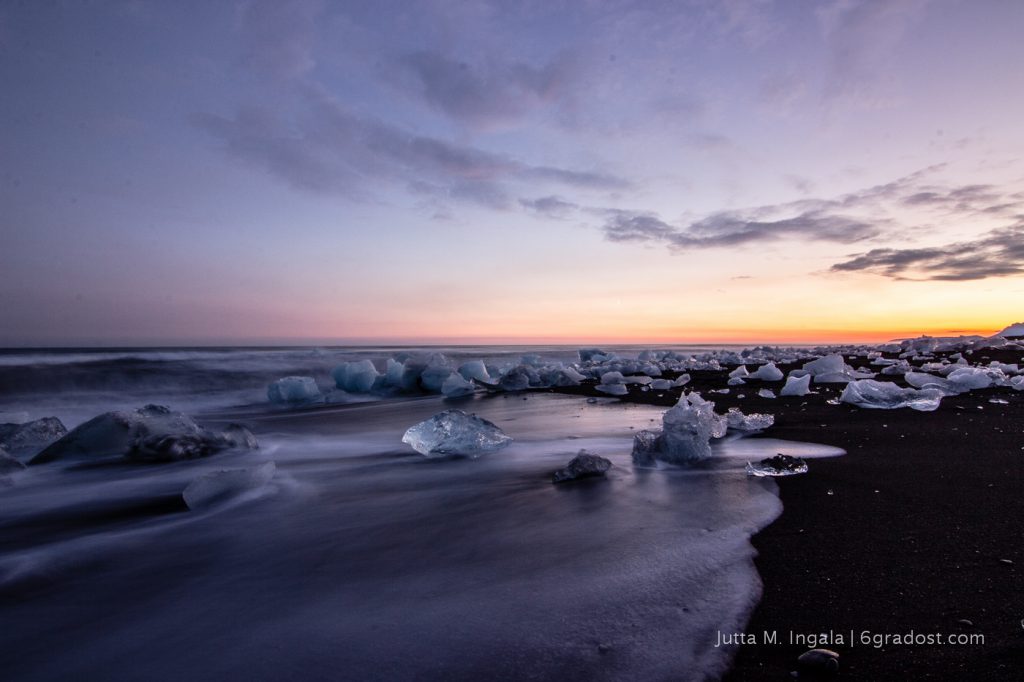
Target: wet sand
914, 530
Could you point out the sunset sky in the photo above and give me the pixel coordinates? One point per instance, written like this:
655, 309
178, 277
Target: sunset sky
331, 172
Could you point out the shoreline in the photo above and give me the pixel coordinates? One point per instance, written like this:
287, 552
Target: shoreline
915, 531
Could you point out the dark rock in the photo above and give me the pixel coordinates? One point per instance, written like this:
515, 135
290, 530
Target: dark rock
818, 663
31, 437
583, 465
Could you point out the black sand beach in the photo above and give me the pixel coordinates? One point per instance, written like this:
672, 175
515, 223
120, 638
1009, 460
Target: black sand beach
915, 531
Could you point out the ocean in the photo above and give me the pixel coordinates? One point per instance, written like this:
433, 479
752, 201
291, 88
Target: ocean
362, 559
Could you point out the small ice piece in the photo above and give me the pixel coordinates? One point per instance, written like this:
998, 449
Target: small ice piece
739, 372
768, 372
888, 396
736, 381
355, 377
218, 487
779, 465
998, 401
560, 375
453, 432
393, 372
475, 369
516, 379
661, 384
796, 386
583, 465
748, 422
455, 386
681, 380
294, 391
766, 393
30, 437
613, 389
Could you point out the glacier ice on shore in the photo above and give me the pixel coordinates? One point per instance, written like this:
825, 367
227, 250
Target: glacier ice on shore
152, 433
767, 372
796, 386
475, 369
453, 432
687, 430
888, 396
455, 386
356, 377
748, 422
294, 391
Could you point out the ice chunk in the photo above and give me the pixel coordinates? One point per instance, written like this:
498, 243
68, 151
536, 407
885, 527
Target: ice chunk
518, 378
436, 373
152, 434
355, 377
736, 381
612, 378
393, 371
681, 380
294, 391
592, 354
218, 487
796, 386
10, 465
453, 432
583, 465
779, 465
1015, 329
30, 437
661, 384
748, 422
474, 369
888, 396
613, 389
828, 364
686, 434
739, 372
768, 372
766, 393
560, 375
455, 386
970, 378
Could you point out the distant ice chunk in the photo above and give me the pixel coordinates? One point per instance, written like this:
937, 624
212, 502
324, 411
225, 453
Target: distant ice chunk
739, 372
356, 377
560, 375
592, 355
1015, 329
30, 437
455, 386
687, 430
661, 384
796, 386
518, 378
766, 393
475, 369
294, 391
613, 389
681, 380
453, 432
768, 372
888, 396
436, 373
150, 434
218, 487
736, 381
748, 422
971, 378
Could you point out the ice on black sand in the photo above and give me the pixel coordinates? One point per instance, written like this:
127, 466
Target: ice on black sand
453, 432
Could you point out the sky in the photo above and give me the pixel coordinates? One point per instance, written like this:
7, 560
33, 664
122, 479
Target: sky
305, 171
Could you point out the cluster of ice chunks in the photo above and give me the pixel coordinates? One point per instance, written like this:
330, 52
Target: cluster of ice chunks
687, 430
832, 369
888, 396
294, 391
150, 434
453, 432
